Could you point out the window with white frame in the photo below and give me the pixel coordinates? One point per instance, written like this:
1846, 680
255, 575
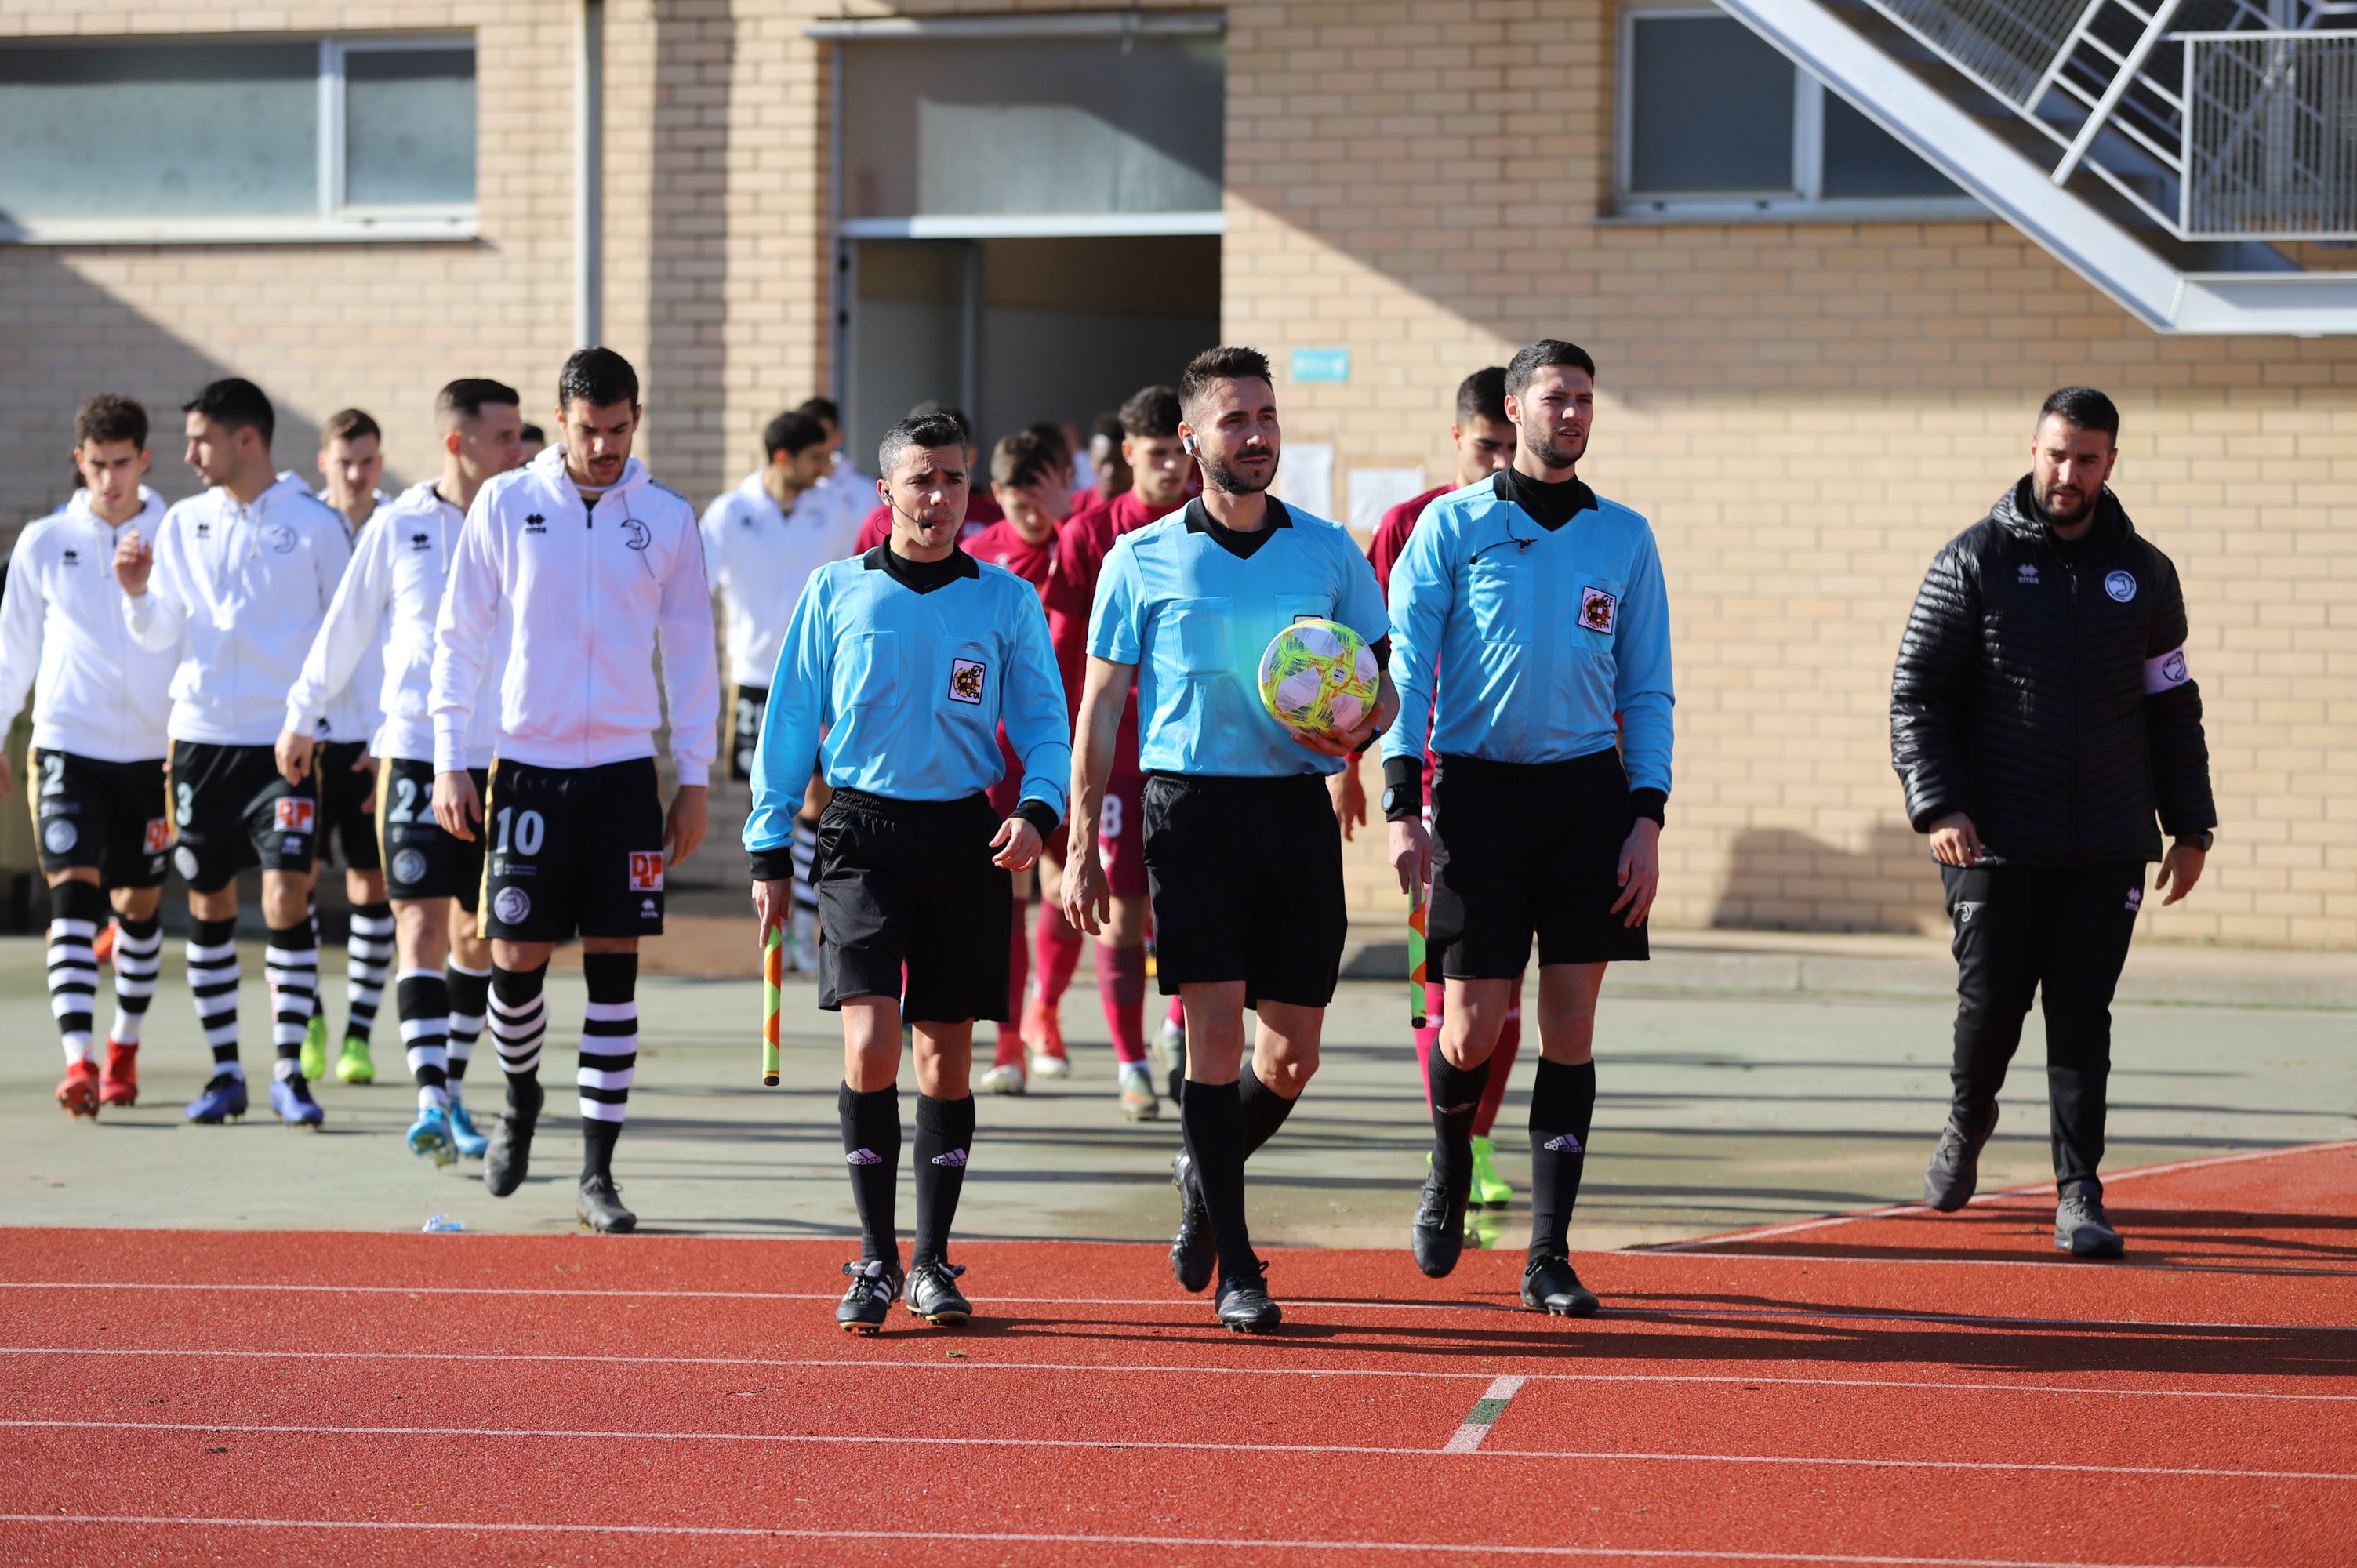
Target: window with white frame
1715, 123
245, 138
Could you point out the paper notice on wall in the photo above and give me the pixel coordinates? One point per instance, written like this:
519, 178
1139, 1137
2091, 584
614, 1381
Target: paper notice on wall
1374, 491
1304, 477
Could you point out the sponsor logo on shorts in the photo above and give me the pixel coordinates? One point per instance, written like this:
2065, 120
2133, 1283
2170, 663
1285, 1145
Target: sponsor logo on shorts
2135, 900
184, 859
965, 679
409, 865
862, 1157
59, 835
1565, 1144
1597, 610
158, 837
280, 538
511, 904
648, 911
2120, 586
953, 1158
295, 814
646, 870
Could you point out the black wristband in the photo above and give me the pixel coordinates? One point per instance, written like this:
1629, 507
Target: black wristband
1039, 815
1651, 803
775, 865
1403, 788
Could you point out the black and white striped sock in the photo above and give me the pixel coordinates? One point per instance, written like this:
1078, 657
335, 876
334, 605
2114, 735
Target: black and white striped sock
519, 1022
471, 997
609, 1054
423, 1001
77, 910
291, 965
212, 987
368, 954
138, 955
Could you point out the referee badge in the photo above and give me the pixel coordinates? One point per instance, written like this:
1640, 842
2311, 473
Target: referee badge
1597, 610
965, 679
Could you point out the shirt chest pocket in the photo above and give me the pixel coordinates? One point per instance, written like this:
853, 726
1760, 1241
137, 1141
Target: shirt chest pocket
1500, 583
1199, 641
868, 675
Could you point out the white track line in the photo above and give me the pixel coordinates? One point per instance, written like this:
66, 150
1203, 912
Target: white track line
1619, 1314
1127, 1368
1369, 1450
2022, 1191
1239, 1543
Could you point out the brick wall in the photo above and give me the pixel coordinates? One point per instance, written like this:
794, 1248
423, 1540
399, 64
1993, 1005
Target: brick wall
1806, 412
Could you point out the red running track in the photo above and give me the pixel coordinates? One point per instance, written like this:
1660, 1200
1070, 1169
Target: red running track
1889, 1388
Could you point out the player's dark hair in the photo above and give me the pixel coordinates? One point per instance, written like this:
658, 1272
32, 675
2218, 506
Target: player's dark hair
470, 395
534, 433
598, 377
1026, 458
822, 409
927, 430
1050, 432
1227, 363
109, 418
1482, 395
1108, 424
1151, 414
2084, 407
792, 434
929, 409
235, 403
349, 425
1525, 366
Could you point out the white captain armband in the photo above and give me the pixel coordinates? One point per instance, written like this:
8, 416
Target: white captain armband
2165, 673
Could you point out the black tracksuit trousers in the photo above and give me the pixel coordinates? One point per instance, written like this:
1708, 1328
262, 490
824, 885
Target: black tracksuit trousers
2062, 931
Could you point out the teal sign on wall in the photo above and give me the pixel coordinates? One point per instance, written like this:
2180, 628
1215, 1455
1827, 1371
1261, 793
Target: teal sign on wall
1321, 364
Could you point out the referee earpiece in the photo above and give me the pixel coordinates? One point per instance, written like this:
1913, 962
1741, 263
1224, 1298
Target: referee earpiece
1186, 445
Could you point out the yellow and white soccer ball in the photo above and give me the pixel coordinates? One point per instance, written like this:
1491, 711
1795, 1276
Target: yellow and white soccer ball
1318, 677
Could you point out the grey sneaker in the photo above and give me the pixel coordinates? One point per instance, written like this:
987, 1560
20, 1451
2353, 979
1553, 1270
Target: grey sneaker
1956, 1169
2082, 1229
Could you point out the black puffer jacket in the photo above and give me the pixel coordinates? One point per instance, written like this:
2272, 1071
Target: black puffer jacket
2042, 689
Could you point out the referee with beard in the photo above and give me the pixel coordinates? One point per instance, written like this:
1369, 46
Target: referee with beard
2042, 716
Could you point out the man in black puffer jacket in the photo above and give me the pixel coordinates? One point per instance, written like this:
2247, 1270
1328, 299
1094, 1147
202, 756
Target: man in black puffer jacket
2041, 716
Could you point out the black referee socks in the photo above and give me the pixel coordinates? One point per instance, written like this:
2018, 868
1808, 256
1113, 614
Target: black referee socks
1264, 1109
871, 1147
944, 1136
1211, 1120
1563, 1103
1456, 1099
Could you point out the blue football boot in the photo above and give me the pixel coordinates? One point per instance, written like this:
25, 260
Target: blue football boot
429, 1136
291, 1098
222, 1101
463, 1136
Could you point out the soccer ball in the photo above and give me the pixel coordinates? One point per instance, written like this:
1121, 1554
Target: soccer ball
1318, 678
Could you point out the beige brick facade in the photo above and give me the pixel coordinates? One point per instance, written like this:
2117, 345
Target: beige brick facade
1806, 411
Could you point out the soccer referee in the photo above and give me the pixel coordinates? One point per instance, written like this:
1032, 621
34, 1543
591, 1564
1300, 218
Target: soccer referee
1542, 609
899, 668
2041, 716
1243, 858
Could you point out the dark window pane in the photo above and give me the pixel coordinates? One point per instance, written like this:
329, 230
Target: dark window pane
1711, 108
1864, 159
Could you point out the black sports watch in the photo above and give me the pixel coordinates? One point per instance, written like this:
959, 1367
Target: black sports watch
2200, 841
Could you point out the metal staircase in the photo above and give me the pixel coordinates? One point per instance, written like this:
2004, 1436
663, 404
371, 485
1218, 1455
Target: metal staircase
2194, 159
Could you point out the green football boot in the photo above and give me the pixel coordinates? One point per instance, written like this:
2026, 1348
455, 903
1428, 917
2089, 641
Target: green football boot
354, 1066
1489, 1189
313, 1059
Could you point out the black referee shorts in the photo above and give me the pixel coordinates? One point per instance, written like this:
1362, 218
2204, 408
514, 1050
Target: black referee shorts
1246, 880
906, 887
1528, 849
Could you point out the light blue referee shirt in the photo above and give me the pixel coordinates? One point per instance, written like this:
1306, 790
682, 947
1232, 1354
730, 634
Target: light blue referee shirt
1519, 644
1194, 605
908, 669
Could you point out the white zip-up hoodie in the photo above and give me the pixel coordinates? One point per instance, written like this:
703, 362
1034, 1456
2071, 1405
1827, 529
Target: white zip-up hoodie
591, 593
355, 713
760, 557
240, 591
95, 693
391, 596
